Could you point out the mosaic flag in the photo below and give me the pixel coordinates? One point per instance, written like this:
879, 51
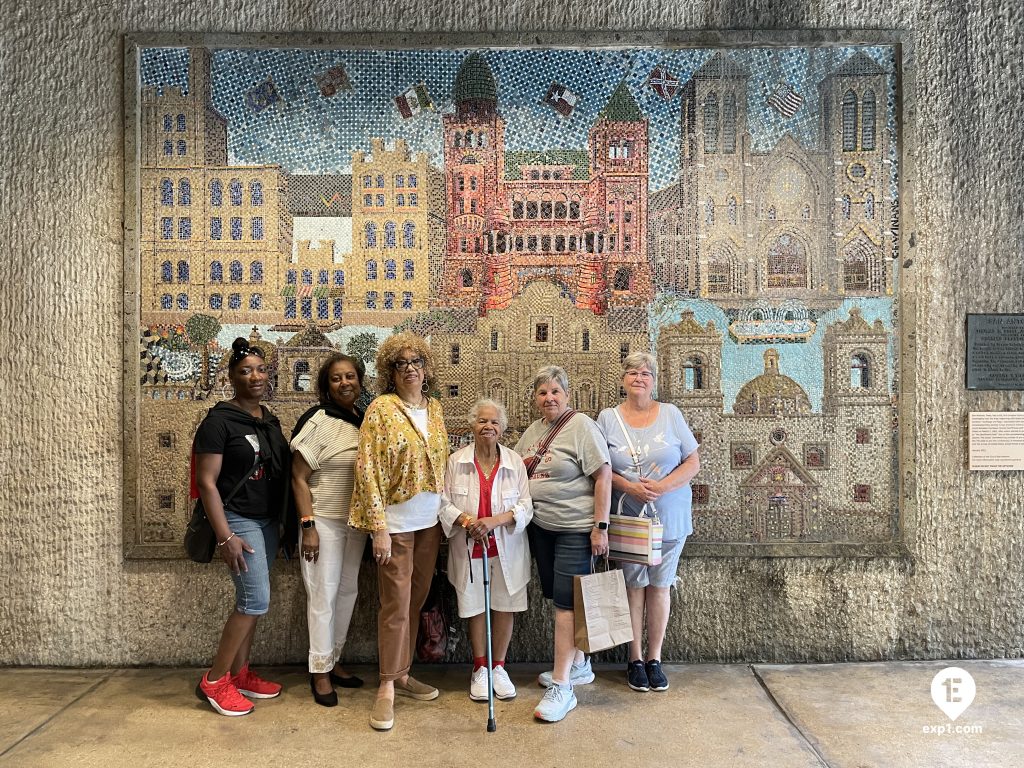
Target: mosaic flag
262, 96
413, 101
562, 99
663, 82
333, 80
783, 99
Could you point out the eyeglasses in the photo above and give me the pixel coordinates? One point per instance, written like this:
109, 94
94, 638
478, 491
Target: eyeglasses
403, 365
640, 374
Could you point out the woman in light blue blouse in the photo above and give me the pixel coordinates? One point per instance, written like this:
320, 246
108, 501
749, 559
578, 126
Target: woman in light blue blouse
654, 457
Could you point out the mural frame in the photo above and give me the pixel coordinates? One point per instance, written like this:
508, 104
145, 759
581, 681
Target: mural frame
904, 299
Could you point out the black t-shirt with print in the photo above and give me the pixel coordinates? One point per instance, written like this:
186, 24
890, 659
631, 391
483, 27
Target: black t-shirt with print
238, 444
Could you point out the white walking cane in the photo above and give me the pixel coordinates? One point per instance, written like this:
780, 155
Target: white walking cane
491, 726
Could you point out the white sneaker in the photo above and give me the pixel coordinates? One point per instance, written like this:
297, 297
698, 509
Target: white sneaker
558, 701
503, 687
478, 685
579, 674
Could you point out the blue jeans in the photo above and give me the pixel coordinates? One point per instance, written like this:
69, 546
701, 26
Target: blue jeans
252, 587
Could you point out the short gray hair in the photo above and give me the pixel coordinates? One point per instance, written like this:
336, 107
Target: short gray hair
636, 360
486, 402
551, 373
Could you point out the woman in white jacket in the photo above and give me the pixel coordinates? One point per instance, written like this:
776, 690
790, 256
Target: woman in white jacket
488, 504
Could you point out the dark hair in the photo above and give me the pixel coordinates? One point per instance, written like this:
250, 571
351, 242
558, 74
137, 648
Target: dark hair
240, 350
322, 387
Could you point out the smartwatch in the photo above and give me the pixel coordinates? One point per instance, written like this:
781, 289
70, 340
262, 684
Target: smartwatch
309, 523
602, 526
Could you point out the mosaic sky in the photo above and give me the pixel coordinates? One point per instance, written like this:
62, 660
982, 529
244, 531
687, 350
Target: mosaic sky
310, 133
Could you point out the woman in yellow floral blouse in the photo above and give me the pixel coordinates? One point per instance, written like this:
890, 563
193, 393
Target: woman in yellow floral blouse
403, 449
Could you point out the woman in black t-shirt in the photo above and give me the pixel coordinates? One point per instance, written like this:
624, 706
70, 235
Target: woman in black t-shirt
241, 472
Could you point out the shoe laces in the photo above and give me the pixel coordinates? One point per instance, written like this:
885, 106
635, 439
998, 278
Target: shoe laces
556, 693
226, 692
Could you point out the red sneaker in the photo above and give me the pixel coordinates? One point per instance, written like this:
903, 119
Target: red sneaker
223, 696
250, 684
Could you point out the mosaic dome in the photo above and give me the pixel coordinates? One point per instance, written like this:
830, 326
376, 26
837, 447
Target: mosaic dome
474, 80
771, 393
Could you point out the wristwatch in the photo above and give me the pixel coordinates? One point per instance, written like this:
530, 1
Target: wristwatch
601, 526
309, 523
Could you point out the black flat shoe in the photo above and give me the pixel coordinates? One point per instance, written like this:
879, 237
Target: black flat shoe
346, 682
323, 699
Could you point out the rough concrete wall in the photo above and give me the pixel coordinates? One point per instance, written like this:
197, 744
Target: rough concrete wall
68, 598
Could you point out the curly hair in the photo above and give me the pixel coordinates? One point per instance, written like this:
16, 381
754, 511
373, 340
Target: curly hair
389, 352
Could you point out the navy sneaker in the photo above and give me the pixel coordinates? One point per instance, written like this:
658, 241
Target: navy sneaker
656, 677
636, 676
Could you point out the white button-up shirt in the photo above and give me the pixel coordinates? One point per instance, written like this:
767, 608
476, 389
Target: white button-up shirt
510, 492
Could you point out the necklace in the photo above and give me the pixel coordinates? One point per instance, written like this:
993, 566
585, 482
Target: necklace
486, 466
414, 406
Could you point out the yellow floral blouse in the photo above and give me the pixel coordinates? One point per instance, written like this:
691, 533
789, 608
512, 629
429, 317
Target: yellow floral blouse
394, 462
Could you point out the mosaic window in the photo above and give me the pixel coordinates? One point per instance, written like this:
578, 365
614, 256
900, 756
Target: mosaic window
863, 435
563, 204
742, 456
181, 123
183, 271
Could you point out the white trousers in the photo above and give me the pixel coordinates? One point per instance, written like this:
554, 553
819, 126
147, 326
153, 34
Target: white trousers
332, 583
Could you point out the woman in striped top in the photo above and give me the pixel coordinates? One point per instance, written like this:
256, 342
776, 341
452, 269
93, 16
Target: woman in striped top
323, 466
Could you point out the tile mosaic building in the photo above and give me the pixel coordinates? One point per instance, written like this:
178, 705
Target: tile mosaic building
735, 211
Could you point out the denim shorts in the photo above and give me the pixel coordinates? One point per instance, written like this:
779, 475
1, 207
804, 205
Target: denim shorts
252, 587
560, 555
661, 575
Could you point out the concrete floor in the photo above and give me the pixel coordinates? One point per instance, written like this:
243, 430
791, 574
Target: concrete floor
839, 715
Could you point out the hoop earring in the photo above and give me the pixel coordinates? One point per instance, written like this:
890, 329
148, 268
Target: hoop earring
424, 388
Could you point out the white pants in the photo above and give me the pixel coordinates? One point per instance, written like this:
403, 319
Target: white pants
332, 583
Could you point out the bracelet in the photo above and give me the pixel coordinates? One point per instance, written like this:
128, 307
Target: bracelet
229, 538
466, 521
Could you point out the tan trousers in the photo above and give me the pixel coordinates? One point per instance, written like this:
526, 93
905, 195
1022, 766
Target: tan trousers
403, 584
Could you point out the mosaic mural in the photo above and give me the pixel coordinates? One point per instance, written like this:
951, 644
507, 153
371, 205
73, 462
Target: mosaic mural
735, 211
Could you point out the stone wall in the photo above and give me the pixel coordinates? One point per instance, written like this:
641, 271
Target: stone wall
69, 598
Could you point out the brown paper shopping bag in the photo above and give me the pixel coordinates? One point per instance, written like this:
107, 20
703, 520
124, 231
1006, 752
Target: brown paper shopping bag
601, 611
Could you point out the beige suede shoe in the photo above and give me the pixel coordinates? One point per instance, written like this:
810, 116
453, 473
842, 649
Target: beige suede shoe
414, 689
382, 716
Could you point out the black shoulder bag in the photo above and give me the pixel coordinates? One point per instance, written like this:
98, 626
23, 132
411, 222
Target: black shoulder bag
200, 540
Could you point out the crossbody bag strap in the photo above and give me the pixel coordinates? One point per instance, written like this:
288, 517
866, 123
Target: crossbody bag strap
238, 487
543, 445
636, 460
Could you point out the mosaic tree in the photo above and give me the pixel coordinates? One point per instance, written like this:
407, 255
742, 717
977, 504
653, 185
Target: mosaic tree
203, 329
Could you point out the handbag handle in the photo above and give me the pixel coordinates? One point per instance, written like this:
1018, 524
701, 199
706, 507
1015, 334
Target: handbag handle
643, 510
